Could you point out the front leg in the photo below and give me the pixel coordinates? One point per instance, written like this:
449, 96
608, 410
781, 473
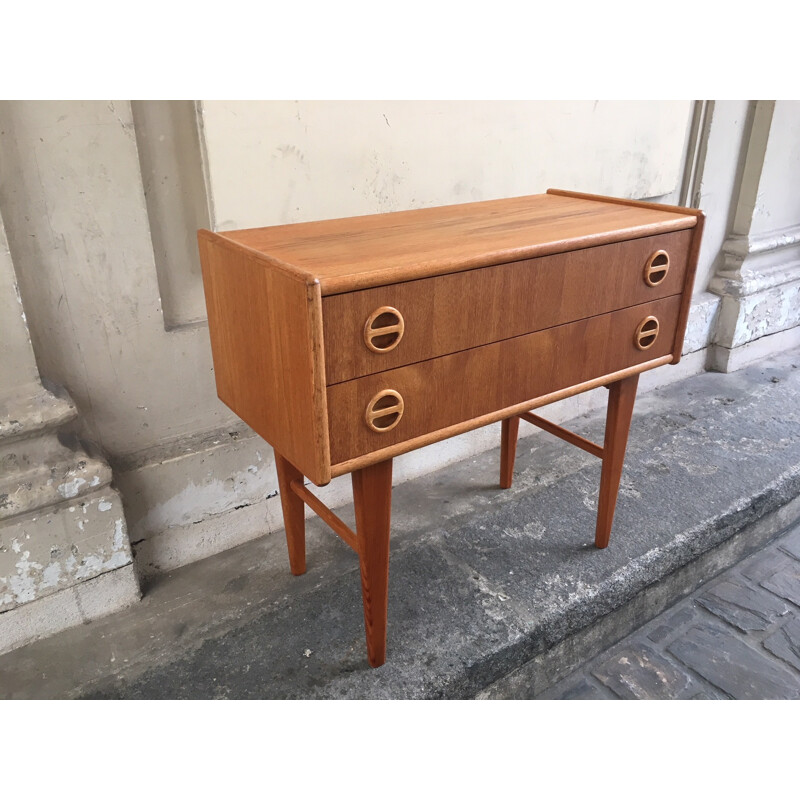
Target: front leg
621, 397
372, 495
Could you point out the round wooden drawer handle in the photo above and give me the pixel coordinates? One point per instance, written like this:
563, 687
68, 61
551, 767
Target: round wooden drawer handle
646, 333
384, 329
384, 411
656, 268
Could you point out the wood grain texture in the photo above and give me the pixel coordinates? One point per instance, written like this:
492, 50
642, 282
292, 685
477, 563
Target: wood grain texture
563, 433
693, 255
621, 397
361, 252
688, 285
445, 391
372, 495
392, 451
338, 526
601, 198
266, 341
467, 309
508, 442
293, 513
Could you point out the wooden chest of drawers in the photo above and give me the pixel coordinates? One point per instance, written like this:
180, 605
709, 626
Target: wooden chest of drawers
347, 342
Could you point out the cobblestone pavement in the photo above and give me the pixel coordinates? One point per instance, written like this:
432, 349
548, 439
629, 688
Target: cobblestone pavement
738, 636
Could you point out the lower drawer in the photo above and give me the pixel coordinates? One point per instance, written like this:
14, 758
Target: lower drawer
377, 411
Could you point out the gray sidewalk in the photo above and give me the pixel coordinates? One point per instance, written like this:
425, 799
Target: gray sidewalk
736, 637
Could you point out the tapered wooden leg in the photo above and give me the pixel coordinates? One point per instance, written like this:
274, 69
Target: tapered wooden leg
293, 514
372, 493
621, 397
508, 451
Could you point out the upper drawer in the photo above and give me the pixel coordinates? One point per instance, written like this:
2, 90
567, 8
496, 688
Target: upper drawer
436, 316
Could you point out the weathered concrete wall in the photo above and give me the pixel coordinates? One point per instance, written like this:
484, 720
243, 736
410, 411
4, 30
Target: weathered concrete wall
17, 367
757, 275
168, 142
73, 200
62, 527
276, 162
721, 138
775, 203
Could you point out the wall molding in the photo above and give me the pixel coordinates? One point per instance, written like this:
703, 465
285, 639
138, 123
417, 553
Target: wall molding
753, 264
169, 146
61, 523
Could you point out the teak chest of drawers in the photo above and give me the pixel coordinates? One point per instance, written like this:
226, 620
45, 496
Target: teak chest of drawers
347, 342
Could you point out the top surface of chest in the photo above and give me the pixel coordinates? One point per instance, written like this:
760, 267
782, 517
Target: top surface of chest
360, 252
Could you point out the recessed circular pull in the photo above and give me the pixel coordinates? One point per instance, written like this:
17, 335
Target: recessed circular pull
656, 268
384, 411
646, 333
384, 329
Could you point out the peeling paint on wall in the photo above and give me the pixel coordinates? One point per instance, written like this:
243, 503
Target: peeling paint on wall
196, 502
71, 544
71, 488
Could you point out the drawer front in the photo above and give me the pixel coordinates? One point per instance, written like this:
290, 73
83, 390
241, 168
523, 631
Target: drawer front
376, 411
378, 329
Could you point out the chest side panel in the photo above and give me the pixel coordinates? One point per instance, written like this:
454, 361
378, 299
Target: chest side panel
266, 341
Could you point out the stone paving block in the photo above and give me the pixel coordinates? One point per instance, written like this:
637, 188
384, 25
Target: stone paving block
639, 673
785, 642
764, 565
671, 622
579, 690
708, 693
785, 583
791, 544
744, 607
720, 657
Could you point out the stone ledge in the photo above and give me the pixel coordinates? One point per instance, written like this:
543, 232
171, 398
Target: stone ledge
535, 677
726, 359
59, 546
73, 476
91, 600
31, 414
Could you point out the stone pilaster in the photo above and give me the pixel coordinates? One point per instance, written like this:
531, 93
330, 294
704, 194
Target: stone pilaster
64, 551
758, 276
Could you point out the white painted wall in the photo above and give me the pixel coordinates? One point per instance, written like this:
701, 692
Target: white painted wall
778, 199
71, 195
17, 367
717, 191
277, 162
